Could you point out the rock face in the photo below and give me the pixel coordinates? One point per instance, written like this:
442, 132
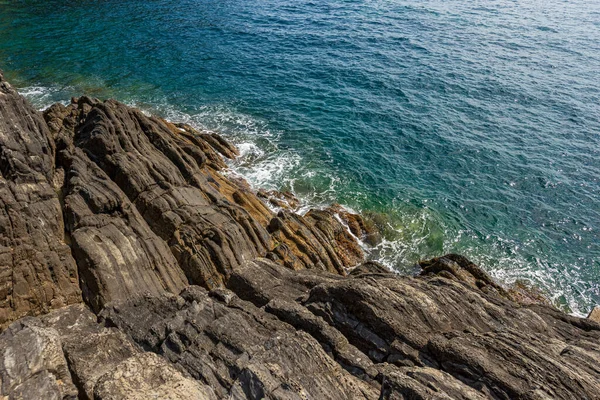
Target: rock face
68, 355
32, 363
37, 270
235, 347
434, 331
595, 314
131, 267
147, 209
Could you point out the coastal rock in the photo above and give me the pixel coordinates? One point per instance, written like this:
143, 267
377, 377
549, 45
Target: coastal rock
424, 383
236, 348
32, 364
457, 267
147, 376
134, 183
595, 314
67, 355
359, 227
195, 288
474, 337
280, 200
117, 253
90, 349
37, 271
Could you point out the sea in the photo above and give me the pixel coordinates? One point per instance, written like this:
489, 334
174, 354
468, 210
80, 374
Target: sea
460, 126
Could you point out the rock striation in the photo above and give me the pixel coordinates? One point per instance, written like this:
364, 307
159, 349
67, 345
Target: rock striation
133, 267
37, 270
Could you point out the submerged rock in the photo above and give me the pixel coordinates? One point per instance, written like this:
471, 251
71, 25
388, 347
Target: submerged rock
194, 288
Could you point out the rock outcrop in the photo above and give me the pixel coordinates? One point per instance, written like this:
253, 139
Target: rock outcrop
147, 209
37, 270
32, 363
131, 267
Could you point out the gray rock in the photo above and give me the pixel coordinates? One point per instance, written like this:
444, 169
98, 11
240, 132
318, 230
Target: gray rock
117, 253
32, 364
409, 328
236, 348
90, 349
67, 355
148, 376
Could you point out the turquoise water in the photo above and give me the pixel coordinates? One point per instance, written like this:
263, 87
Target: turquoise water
463, 126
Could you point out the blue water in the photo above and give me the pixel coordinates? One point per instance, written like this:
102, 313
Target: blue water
463, 126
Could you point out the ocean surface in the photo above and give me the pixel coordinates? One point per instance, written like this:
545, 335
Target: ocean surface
456, 126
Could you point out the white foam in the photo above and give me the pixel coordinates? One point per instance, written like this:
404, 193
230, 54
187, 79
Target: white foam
42, 97
249, 149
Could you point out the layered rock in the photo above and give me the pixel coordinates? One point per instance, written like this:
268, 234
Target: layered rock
435, 331
196, 287
148, 209
279, 333
37, 271
32, 363
67, 355
117, 253
238, 349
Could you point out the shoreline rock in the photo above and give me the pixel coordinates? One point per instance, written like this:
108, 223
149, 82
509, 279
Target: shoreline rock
594, 315
132, 267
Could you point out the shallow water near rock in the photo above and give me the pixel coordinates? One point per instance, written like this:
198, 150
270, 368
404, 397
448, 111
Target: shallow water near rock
461, 127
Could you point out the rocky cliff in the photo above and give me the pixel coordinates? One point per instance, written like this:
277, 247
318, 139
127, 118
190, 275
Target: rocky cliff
131, 267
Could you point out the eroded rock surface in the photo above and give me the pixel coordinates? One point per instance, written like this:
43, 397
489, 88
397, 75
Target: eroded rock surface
236, 348
37, 270
470, 332
117, 253
197, 287
32, 363
67, 355
148, 376
148, 209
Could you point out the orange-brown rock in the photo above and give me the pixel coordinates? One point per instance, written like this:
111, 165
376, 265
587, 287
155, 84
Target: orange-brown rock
594, 315
280, 200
